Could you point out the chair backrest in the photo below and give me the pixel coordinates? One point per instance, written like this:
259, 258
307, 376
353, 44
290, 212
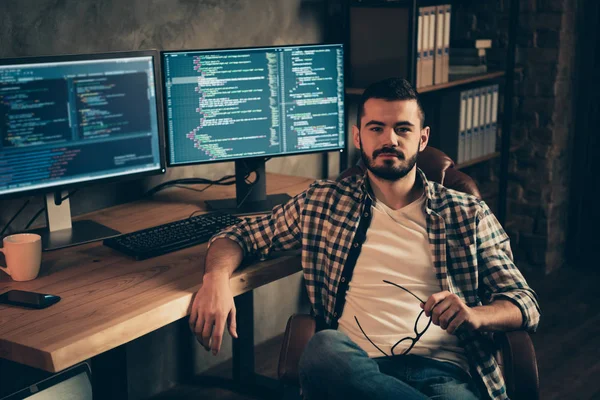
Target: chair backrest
438, 167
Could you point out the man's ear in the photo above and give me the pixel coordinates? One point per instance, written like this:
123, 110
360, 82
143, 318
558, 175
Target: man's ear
424, 139
356, 136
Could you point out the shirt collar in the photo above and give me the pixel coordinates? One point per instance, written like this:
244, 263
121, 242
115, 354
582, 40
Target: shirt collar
365, 188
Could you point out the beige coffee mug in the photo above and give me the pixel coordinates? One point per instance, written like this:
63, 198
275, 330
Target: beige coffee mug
23, 254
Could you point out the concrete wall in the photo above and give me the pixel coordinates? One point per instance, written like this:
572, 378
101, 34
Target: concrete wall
41, 27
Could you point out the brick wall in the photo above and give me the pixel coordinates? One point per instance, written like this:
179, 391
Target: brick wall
539, 170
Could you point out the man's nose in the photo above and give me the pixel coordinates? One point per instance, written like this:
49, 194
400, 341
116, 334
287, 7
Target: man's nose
390, 137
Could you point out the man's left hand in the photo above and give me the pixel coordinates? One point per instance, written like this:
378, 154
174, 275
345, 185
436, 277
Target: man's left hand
449, 312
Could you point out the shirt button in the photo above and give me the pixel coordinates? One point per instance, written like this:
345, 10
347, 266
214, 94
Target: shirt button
366, 214
355, 244
343, 279
335, 314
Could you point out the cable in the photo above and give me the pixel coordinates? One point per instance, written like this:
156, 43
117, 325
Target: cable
251, 184
195, 212
193, 189
202, 181
14, 217
32, 220
37, 214
191, 181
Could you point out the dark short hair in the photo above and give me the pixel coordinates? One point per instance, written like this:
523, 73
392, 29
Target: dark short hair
390, 89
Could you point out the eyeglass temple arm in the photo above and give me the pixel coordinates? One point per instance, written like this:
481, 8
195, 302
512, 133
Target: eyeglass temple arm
406, 290
368, 338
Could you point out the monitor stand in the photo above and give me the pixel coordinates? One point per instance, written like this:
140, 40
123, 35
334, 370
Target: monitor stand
61, 232
250, 198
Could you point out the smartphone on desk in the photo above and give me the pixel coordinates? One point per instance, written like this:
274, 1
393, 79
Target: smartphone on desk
22, 298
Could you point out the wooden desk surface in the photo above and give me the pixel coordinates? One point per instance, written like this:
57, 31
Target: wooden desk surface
109, 299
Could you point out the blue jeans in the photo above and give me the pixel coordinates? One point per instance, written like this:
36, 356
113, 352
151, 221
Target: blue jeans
334, 367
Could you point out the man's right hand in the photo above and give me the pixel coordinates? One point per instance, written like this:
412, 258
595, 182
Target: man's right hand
212, 306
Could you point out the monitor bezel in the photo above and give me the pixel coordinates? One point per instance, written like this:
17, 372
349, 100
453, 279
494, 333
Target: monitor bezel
158, 86
170, 164
51, 381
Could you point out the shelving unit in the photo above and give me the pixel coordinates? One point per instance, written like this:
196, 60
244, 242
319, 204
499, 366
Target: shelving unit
380, 41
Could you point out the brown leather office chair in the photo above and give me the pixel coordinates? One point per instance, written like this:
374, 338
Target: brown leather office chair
515, 354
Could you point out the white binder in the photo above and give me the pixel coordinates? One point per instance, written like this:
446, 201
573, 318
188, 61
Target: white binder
431, 47
469, 126
494, 117
482, 130
476, 136
446, 57
488, 120
419, 72
440, 12
462, 127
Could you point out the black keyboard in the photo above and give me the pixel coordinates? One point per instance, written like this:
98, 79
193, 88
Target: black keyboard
166, 238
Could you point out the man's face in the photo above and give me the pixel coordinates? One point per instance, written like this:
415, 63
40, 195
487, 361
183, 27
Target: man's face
390, 137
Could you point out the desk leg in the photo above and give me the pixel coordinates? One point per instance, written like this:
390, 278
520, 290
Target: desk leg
244, 375
243, 347
109, 374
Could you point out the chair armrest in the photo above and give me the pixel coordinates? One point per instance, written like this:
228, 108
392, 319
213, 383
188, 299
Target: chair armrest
300, 328
518, 363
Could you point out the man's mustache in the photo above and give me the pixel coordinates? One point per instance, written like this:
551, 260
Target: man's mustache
388, 150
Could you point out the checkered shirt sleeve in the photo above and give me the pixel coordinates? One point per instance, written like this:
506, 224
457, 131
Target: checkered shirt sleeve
498, 275
277, 231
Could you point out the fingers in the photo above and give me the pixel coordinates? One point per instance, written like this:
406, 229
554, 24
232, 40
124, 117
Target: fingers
193, 318
207, 332
209, 329
448, 316
197, 329
441, 309
232, 322
210, 310
447, 311
196, 322
457, 322
433, 300
210, 333
217, 335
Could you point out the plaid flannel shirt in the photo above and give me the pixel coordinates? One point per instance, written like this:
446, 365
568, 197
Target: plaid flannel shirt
471, 254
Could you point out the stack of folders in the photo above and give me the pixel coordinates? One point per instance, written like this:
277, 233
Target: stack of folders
433, 45
469, 56
478, 123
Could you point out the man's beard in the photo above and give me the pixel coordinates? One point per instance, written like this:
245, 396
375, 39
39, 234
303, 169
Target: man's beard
389, 171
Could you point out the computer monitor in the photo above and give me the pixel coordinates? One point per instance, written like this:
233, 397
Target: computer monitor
67, 121
72, 384
246, 105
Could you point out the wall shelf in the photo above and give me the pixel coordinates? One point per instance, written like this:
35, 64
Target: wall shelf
462, 80
485, 158
453, 82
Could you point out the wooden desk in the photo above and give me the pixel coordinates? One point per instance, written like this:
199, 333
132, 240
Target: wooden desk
109, 299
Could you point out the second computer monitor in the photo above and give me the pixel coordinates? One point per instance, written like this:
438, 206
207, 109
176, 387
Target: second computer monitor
72, 120
245, 105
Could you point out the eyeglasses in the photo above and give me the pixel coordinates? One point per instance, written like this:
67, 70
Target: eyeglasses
413, 340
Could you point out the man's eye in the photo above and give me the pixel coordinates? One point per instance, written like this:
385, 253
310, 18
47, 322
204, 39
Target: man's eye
376, 129
402, 130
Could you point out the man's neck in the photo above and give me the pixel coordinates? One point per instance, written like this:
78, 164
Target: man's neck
396, 194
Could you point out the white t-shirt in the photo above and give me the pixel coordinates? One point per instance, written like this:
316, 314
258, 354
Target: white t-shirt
396, 249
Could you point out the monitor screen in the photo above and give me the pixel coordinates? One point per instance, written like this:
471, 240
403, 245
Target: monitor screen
225, 105
66, 120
